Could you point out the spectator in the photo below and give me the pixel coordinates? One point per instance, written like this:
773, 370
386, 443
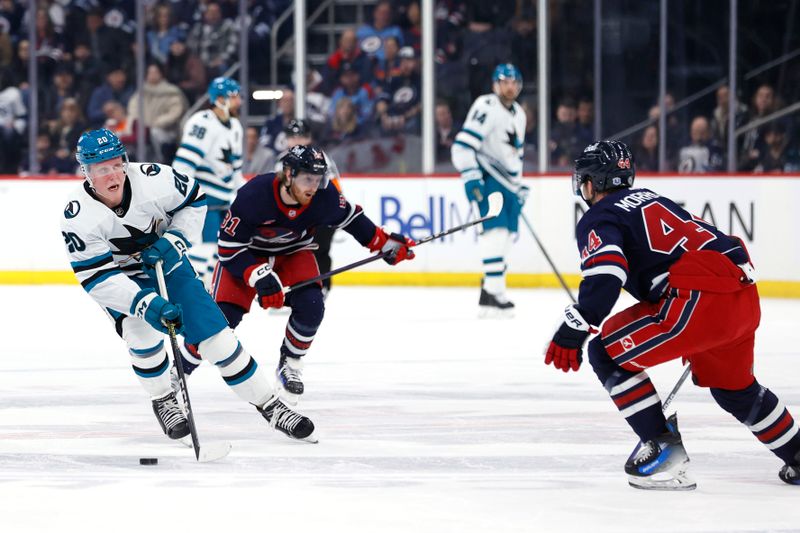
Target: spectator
585, 128
348, 52
523, 40
360, 94
17, 70
12, 125
215, 40
53, 95
272, 135
12, 13
412, 35
120, 124
702, 155
185, 70
68, 128
111, 46
372, 36
344, 126
485, 46
647, 150
675, 137
87, 70
719, 119
387, 68
398, 109
45, 158
565, 145
165, 32
257, 157
531, 117
753, 143
115, 88
446, 131
777, 156
164, 105
6, 47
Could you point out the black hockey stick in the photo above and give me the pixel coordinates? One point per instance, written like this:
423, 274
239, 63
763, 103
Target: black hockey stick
495, 206
213, 451
547, 256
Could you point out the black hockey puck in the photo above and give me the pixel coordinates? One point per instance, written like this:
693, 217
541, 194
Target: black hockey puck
148, 461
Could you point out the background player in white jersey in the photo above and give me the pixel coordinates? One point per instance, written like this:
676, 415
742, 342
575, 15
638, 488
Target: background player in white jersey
488, 153
211, 153
117, 225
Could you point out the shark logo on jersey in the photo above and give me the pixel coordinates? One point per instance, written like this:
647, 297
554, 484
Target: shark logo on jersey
150, 170
137, 240
72, 209
227, 155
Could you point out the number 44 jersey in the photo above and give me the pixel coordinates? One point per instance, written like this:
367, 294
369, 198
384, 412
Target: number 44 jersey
104, 244
630, 239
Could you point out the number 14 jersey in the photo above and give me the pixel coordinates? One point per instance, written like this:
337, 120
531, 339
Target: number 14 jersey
630, 238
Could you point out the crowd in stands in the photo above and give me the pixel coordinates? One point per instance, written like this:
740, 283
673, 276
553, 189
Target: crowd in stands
368, 89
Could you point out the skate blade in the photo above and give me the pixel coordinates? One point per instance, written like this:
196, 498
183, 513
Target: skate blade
214, 451
487, 312
311, 439
186, 441
678, 483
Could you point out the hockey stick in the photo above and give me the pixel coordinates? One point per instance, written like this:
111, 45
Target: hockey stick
213, 451
495, 206
547, 256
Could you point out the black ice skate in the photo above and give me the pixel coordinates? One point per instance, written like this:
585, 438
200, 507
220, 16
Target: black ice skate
290, 377
170, 416
791, 473
491, 305
289, 422
661, 463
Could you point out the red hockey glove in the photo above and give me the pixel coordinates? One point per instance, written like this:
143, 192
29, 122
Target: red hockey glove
267, 284
566, 349
398, 246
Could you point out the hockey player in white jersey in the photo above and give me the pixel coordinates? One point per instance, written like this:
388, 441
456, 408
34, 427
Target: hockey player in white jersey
488, 153
122, 220
211, 152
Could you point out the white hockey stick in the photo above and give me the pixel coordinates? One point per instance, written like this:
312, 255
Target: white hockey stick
495, 206
210, 452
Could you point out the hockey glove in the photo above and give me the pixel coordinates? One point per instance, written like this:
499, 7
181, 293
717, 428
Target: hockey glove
566, 349
157, 311
170, 248
474, 185
268, 285
398, 246
522, 194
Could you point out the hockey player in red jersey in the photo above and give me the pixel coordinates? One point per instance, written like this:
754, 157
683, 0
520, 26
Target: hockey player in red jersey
266, 242
697, 300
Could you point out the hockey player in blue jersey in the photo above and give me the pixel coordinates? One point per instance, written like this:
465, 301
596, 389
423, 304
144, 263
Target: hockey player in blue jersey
266, 243
122, 220
697, 300
488, 153
211, 152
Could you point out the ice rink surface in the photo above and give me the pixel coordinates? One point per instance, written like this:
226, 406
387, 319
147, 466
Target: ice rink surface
429, 420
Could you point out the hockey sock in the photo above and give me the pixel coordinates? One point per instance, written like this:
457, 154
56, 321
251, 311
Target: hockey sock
233, 313
298, 338
765, 416
150, 365
190, 358
238, 369
632, 392
493, 245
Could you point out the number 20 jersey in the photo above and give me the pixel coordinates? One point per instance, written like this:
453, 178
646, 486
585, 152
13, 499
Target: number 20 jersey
630, 238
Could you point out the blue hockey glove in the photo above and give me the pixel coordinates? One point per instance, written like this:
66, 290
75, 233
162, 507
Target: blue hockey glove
522, 194
474, 185
566, 349
157, 311
170, 248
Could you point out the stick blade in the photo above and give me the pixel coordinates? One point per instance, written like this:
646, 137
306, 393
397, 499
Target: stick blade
495, 204
213, 451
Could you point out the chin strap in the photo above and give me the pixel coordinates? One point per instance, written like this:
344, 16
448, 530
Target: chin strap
225, 107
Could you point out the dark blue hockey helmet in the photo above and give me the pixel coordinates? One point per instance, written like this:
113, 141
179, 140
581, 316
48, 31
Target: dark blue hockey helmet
608, 164
308, 159
222, 86
96, 146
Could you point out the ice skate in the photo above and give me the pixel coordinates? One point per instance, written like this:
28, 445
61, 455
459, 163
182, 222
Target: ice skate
289, 375
494, 306
287, 421
790, 473
170, 416
661, 463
